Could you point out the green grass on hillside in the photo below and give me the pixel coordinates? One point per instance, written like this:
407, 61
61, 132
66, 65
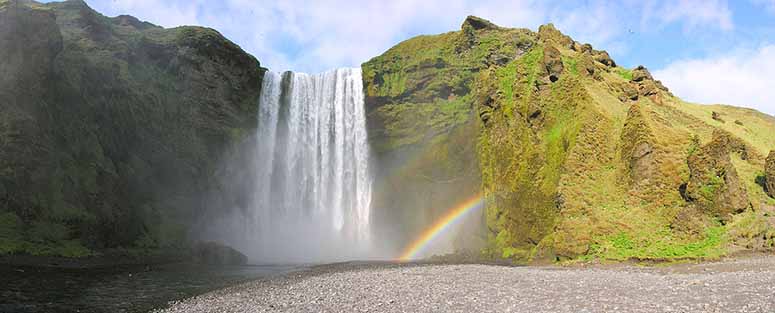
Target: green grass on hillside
623, 73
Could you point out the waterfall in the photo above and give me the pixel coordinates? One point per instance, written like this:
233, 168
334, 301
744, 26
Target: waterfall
313, 186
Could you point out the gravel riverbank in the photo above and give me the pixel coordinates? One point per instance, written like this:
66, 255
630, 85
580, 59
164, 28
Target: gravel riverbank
739, 285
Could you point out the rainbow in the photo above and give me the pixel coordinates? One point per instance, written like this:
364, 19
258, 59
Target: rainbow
453, 216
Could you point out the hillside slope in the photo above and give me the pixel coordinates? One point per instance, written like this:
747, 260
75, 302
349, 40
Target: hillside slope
111, 128
576, 157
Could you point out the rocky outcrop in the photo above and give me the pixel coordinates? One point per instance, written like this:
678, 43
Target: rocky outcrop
769, 173
640, 74
625, 91
645, 86
714, 185
214, 253
638, 147
110, 128
549, 33
553, 63
574, 156
604, 58
478, 23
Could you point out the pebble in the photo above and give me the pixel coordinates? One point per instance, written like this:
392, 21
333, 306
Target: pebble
741, 285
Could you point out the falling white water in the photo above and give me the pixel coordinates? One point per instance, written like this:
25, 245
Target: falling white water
312, 170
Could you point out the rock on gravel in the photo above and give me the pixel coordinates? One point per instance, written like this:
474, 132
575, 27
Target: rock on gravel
743, 285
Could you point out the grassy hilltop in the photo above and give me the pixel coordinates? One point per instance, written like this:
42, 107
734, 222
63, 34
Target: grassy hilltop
578, 158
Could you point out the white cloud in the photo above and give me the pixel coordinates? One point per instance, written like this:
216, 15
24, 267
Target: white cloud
600, 23
314, 36
692, 14
318, 35
742, 78
163, 13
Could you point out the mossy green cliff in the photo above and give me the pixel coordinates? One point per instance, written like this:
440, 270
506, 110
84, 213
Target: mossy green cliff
577, 157
111, 128
113, 133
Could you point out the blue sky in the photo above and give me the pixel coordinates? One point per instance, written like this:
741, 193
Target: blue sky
708, 51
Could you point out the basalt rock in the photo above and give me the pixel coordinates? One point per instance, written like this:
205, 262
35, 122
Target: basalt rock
604, 58
638, 146
214, 253
625, 91
586, 48
486, 98
549, 33
640, 73
478, 23
553, 63
648, 88
714, 185
646, 85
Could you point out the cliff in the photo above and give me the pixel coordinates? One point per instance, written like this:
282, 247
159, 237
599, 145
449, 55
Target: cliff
111, 129
114, 133
577, 158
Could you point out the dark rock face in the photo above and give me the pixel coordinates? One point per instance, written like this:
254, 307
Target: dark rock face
214, 253
713, 182
110, 128
646, 85
769, 173
638, 147
640, 73
625, 91
478, 23
553, 63
642, 161
549, 32
586, 48
603, 57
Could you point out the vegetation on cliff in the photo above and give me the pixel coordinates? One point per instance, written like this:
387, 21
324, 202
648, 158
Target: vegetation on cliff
578, 158
421, 124
112, 131
111, 128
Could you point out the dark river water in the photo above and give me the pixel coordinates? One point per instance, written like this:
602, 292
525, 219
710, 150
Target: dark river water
122, 289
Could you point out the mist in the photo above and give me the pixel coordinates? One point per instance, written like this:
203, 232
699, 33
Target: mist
301, 186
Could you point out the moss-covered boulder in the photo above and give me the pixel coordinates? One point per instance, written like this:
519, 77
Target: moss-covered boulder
111, 129
713, 182
638, 144
214, 253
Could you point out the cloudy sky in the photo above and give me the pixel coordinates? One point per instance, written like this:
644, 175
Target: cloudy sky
708, 51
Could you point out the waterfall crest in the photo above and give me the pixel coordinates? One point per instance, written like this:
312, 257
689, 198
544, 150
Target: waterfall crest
313, 185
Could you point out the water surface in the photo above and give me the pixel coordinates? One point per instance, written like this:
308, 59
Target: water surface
119, 289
